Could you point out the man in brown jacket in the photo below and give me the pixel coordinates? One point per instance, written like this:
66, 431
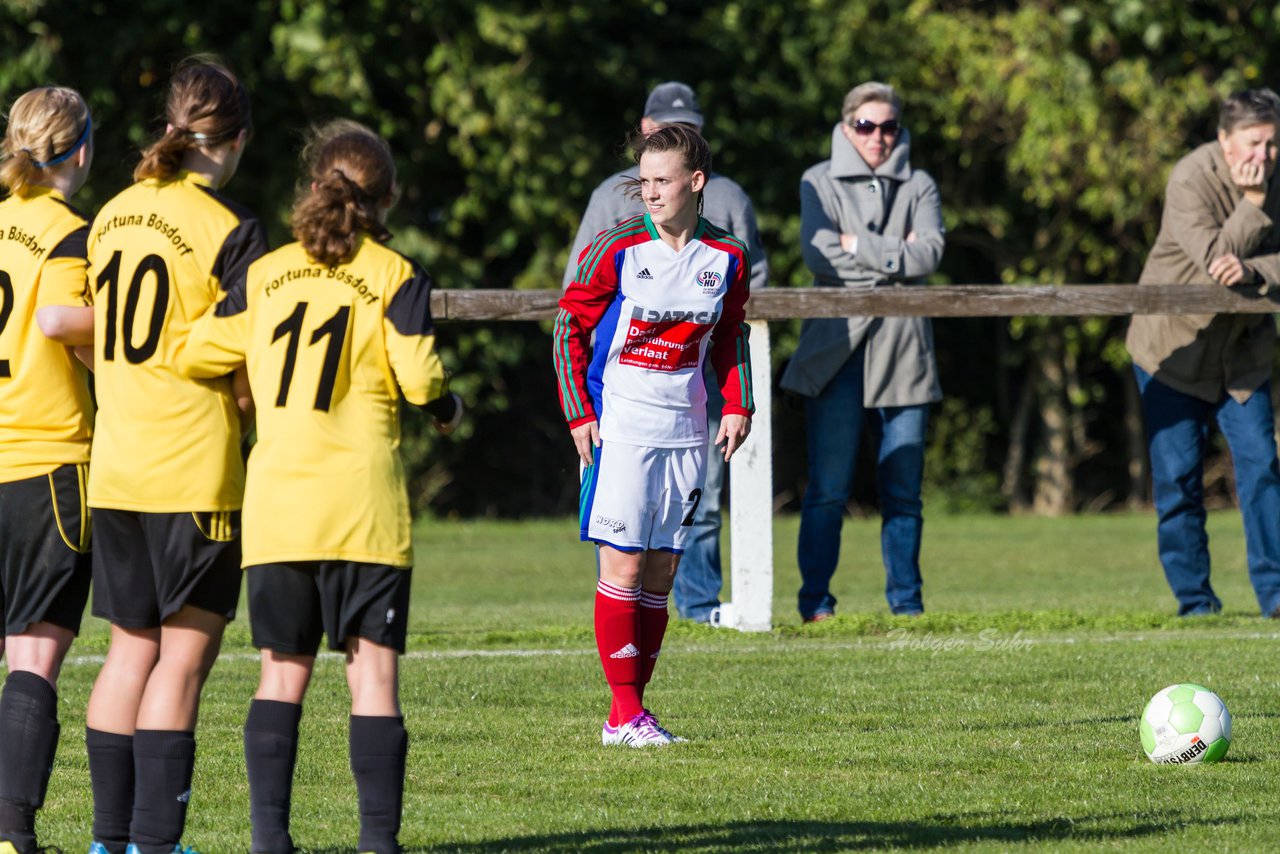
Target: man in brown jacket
1221, 228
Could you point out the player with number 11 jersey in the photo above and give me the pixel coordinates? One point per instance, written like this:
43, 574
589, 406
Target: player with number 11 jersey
329, 351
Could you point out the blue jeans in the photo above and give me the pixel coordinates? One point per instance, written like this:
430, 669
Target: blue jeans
1177, 436
697, 585
834, 428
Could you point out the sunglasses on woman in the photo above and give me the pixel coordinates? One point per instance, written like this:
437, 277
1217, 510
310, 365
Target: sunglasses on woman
865, 127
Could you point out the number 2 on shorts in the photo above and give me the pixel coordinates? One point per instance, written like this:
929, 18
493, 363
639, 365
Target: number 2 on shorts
695, 497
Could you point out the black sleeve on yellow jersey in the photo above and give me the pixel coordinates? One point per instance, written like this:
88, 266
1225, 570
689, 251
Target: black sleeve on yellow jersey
246, 243
74, 245
410, 309
442, 408
75, 210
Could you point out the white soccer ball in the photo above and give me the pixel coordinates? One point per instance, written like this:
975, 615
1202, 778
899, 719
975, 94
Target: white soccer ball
1185, 724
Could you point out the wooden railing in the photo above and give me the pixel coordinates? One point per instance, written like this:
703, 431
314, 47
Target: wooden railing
750, 607
932, 301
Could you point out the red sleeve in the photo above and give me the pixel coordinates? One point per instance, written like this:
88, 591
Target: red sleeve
581, 307
730, 353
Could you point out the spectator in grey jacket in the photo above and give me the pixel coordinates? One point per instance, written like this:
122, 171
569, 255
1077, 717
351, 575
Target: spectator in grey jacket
697, 586
867, 219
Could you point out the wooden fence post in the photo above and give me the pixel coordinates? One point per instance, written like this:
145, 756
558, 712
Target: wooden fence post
750, 608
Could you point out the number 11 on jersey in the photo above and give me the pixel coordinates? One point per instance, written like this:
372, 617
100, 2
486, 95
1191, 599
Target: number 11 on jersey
335, 329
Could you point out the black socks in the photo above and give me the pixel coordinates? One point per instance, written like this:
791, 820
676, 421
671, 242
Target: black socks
270, 751
163, 761
28, 741
378, 750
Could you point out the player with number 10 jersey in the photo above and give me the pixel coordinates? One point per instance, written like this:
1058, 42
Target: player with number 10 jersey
166, 478
161, 252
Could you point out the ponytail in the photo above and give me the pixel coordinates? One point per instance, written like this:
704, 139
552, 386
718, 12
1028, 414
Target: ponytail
19, 172
163, 158
349, 181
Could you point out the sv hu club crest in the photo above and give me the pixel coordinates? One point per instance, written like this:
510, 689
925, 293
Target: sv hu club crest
709, 280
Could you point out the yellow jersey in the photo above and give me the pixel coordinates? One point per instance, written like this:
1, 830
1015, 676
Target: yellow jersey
160, 253
46, 414
329, 351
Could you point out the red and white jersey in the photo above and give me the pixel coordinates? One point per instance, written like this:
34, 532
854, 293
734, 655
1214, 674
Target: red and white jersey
657, 314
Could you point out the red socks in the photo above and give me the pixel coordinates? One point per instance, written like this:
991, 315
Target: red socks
630, 626
617, 639
653, 627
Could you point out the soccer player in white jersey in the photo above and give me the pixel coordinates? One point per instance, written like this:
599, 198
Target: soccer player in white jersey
662, 292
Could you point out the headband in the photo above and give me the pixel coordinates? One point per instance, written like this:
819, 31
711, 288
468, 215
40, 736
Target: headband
75, 146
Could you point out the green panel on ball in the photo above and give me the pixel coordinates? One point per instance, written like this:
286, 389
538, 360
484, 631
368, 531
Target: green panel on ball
1182, 694
1186, 717
1216, 751
1148, 736
1195, 687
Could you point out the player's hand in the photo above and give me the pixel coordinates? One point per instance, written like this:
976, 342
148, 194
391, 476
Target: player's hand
849, 243
1228, 270
733, 432
586, 438
243, 395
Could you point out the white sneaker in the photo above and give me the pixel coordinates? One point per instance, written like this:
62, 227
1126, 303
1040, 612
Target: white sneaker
653, 719
610, 735
642, 731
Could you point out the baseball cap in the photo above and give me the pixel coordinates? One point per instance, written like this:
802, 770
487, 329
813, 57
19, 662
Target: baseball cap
673, 102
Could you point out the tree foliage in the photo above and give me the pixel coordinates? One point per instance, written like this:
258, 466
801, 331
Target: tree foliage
1050, 128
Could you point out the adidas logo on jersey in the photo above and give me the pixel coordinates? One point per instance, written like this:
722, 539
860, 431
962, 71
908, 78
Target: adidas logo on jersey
645, 274
628, 651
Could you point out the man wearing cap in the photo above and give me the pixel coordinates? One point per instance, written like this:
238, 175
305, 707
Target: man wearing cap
697, 585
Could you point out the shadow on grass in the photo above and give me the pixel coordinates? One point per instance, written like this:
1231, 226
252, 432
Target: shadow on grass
798, 836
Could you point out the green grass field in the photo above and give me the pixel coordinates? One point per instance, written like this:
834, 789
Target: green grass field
1005, 719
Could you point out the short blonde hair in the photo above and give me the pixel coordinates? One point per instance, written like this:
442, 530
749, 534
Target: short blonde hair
865, 93
44, 124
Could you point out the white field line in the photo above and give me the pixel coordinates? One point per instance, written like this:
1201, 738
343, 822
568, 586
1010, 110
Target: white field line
907, 641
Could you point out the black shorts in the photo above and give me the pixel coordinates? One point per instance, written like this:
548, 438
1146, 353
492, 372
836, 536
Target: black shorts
291, 604
146, 566
44, 550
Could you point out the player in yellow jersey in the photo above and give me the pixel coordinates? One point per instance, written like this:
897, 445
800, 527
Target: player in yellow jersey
334, 329
45, 424
166, 478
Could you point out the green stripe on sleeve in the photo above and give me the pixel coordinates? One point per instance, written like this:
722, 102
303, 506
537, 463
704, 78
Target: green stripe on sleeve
564, 368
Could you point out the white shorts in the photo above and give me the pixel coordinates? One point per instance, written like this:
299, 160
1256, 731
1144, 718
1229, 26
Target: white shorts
635, 498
